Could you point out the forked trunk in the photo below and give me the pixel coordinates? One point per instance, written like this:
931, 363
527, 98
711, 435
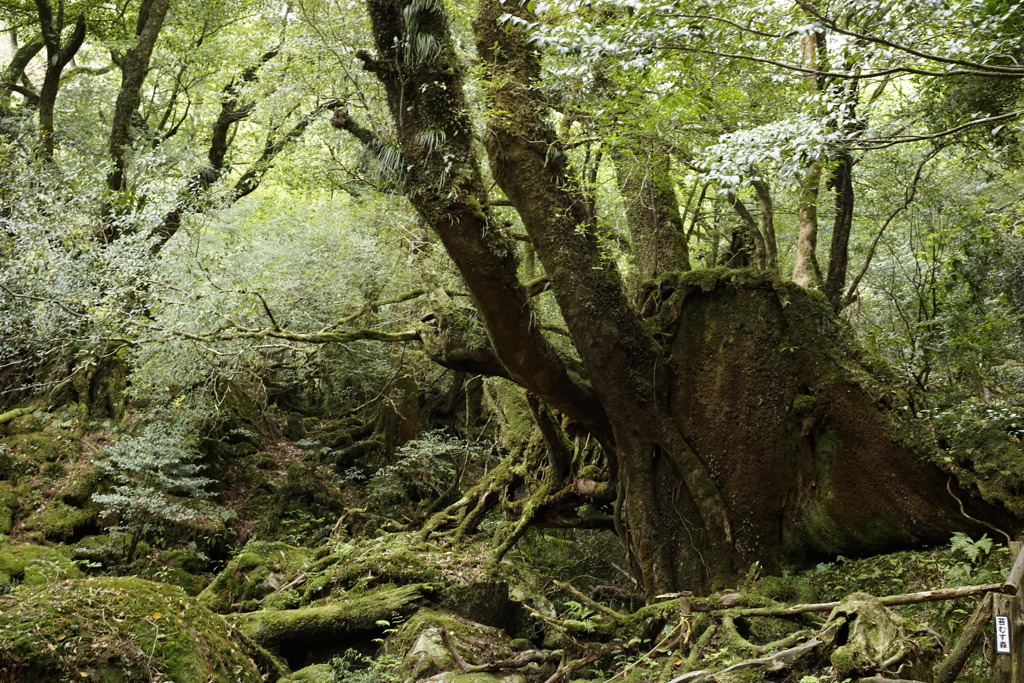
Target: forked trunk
737, 422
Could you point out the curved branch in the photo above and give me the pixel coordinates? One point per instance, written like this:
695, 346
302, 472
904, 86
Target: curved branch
981, 67
882, 143
907, 199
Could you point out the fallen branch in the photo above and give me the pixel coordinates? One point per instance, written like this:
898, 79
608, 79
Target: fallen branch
776, 662
529, 657
359, 614
456, 657
888, 600
570, 667
13, 414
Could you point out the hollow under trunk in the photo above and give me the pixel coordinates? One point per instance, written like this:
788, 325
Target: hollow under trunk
802, 434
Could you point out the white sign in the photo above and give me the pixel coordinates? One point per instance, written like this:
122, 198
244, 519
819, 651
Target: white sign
1003, 635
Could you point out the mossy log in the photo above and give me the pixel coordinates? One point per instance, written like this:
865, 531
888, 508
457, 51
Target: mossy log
359, 614
13, 414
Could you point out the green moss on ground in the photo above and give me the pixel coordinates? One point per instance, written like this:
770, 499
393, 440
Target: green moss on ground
356, 614
318, 673
258, 571
34, 565
59, 521
116, 630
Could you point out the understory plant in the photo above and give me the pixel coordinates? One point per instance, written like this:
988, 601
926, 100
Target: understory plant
159, 492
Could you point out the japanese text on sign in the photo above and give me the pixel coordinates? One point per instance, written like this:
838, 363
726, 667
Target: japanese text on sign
1003, 635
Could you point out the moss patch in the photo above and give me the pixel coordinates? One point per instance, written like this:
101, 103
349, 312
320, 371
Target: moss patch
116, 629
259, 570
34, 565
59, 521
357, 614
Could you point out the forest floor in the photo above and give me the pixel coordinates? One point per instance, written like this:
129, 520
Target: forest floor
306, 568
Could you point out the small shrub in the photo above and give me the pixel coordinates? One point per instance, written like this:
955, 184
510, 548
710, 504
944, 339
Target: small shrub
159, 491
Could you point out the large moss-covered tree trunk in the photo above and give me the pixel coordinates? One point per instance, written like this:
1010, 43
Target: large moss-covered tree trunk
802, 433
737, 424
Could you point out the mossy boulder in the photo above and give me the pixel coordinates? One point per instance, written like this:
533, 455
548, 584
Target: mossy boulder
485, 602
258, 571
59, 521
425, 642
116, 630
25, 423
318, 673
476, 677
34, 565
354, 566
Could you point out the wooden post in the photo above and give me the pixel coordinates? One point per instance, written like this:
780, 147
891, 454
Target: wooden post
1002, 640
1008, 622
972, 634
1017, 611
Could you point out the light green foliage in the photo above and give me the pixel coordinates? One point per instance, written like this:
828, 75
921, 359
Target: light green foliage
353, 667
158, 486
974, 551
424, 469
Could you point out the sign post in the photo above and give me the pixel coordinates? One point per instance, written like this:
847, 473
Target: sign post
1008, 623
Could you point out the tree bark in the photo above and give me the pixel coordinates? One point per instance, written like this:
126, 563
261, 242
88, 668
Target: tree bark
57, 57
806, 271
739, 424
838, 263
134, 66
657, 235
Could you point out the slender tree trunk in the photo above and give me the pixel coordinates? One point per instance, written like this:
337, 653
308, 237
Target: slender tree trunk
767, 209
58, 56
806, 271
134, 66
838, 263
657, 235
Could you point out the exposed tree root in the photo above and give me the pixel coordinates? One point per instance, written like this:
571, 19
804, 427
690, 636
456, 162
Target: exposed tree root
544, 483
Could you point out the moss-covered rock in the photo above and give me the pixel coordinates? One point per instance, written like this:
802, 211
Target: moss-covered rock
116, 629
59, 521
477, 677
258, 571
485, 602
34, 564
318, 673
354, 566
423, 643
